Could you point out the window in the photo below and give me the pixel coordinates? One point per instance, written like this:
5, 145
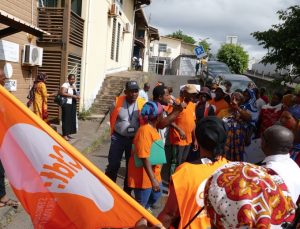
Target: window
51, 3
140, 33
120, 2
162, 47
112, 51
76, 6
118, 42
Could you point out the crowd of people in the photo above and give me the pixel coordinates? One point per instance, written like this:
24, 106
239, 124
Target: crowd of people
221, 153
229, 158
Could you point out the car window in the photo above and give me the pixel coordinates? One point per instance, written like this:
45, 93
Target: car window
219, 69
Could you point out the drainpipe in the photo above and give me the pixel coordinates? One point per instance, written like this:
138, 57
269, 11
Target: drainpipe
85, 52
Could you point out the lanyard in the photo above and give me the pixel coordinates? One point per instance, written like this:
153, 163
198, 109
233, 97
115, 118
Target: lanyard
130, 115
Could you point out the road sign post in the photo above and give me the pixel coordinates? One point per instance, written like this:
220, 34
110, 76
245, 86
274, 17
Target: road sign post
199, 51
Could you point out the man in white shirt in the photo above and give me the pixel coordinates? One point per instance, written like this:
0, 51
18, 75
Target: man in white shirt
143, 93
276, 144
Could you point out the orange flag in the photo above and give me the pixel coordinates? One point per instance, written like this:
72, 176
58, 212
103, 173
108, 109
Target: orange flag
56, 184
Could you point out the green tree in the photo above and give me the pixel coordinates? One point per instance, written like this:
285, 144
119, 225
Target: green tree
185, 38
283, 41
234, 56
205, 45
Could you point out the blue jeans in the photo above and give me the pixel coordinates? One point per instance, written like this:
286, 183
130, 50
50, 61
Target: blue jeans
147, 197
118, 145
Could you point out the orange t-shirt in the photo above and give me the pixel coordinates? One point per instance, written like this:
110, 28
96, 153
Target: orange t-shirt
185, 121
143, 140
189, 182
219, 105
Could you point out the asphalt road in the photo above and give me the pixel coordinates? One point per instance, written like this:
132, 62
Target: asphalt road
99, 156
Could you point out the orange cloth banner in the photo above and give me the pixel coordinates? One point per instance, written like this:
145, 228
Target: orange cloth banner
56, 184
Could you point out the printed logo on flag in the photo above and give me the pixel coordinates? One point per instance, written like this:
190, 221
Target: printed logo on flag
60, 174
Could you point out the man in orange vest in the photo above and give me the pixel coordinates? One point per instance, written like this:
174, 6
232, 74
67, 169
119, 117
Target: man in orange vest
125, 119
184, 207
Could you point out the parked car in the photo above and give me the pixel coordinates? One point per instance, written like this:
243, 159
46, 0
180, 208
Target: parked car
214, 69
238, 81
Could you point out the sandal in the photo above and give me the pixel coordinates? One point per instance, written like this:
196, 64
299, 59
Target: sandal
70, 137
10, 203
66, 138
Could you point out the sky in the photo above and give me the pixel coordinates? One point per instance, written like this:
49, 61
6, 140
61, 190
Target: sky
216, 19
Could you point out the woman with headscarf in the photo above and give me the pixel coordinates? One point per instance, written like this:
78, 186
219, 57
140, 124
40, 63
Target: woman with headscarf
185, 201
243, 195
237, 120
290, 119
40, 97
147, 155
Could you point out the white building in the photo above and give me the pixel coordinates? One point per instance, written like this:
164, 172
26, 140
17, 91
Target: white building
164, 51
110, 31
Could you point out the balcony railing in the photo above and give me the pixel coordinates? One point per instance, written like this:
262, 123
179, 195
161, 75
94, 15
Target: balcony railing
76, 30
52, 21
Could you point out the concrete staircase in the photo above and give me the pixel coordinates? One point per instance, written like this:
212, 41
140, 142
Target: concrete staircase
113, 86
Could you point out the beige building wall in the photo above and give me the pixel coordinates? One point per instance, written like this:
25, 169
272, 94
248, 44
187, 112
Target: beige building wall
173, 47
126, 40
97, 62
27, 11
95, 49
187, 49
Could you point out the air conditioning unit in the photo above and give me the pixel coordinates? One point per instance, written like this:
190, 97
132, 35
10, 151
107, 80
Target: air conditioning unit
32, 55
114, 10
127, 28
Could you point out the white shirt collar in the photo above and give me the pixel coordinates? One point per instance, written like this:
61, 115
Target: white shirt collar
278, 157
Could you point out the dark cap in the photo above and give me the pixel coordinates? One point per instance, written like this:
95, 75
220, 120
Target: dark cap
205, 91
132, 85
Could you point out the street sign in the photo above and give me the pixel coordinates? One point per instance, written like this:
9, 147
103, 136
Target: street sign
199, 51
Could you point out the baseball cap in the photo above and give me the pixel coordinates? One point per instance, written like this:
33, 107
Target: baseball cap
206, 91
132, 85
191, 89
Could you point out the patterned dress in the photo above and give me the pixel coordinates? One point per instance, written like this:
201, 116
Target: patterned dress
40, 101
235, 143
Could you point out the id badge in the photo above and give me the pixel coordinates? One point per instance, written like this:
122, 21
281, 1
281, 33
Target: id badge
130, 130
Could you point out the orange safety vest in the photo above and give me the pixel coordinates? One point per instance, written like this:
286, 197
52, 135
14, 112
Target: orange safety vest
119, 102
190, 193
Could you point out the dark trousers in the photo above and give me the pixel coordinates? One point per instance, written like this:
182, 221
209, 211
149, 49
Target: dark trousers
118, 145
2, 181
179, 155
68, 118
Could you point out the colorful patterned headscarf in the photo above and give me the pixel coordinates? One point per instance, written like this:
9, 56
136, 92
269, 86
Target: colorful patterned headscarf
251, 103
242, 195
151, 110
